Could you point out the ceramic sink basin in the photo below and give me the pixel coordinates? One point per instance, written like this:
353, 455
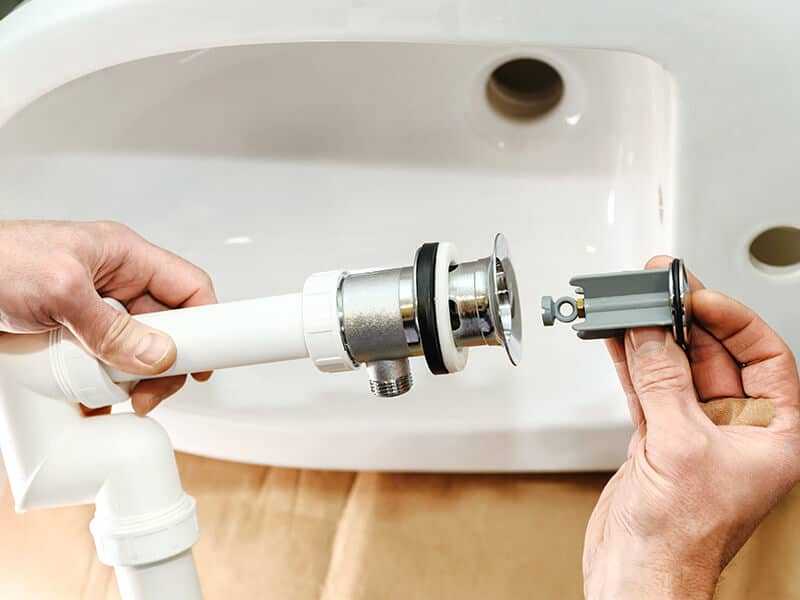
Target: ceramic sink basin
265, 148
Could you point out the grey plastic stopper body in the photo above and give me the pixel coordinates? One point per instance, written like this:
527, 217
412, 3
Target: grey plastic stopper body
614, 302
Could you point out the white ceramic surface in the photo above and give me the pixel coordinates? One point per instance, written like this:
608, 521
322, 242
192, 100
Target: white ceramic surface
255, 139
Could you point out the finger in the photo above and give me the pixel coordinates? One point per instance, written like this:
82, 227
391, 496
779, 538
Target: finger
769, 369
662, 378
756, 412
616, 349
663, 261
151, 392
94, 412
113, 336
174, 281
716, 374
743, 333
147, 304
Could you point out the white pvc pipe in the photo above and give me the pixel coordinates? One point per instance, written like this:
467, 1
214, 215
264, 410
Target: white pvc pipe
145, 524
122, 463
171, 579
230, 334
30, 417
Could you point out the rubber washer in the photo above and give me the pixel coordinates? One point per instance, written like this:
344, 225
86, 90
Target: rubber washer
425, 276
677, 306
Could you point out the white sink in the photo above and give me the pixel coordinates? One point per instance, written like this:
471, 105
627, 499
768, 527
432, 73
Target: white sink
252, 148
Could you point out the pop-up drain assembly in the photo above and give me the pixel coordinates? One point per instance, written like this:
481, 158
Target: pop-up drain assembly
436, 308
610, 303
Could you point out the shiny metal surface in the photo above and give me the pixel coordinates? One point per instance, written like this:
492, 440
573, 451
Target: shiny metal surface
372, 316
408, 311
378, 311
471, 315
506, 305
390, 378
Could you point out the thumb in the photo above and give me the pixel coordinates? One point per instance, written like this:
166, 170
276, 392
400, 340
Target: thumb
119, 340
661, 376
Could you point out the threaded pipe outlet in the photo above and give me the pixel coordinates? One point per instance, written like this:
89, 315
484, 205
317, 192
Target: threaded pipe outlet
390, 378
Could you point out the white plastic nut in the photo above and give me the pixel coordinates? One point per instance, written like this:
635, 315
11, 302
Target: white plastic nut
149, 538
81, 376
321, 326
455, 358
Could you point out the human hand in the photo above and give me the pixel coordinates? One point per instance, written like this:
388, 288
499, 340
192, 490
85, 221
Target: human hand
54, 274
691, 492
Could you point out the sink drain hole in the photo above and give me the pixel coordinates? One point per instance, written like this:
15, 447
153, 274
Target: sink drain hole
778, 247
524, 89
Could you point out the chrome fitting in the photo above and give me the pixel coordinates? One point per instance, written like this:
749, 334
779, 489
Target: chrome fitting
436, 308
390, 378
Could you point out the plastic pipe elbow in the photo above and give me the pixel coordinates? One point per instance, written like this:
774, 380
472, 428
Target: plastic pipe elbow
124, 461
125, 465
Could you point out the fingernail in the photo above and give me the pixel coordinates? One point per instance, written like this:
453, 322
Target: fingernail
152, 349
648, 339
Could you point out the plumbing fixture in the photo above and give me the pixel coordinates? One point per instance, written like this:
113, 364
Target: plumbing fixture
145, 524
610, 303
436, 308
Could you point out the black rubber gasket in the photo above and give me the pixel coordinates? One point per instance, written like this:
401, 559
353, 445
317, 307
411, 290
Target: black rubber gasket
678, 317
425, 276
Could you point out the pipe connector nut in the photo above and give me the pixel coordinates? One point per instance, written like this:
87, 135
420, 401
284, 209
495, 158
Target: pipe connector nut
80, 375
148, 538
322, 322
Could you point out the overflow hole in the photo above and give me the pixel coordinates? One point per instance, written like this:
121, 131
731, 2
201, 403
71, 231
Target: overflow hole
776, 248
524, 89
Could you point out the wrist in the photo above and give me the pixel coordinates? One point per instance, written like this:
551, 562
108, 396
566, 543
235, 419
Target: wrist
643, 570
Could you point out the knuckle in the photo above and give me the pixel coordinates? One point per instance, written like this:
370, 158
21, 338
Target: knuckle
658, 261
66, 280
657, 375
204, 282
113, 227
114, 333
791, 356
689, 447
205, 278
112, 231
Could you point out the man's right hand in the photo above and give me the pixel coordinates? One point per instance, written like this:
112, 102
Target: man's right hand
691, 492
